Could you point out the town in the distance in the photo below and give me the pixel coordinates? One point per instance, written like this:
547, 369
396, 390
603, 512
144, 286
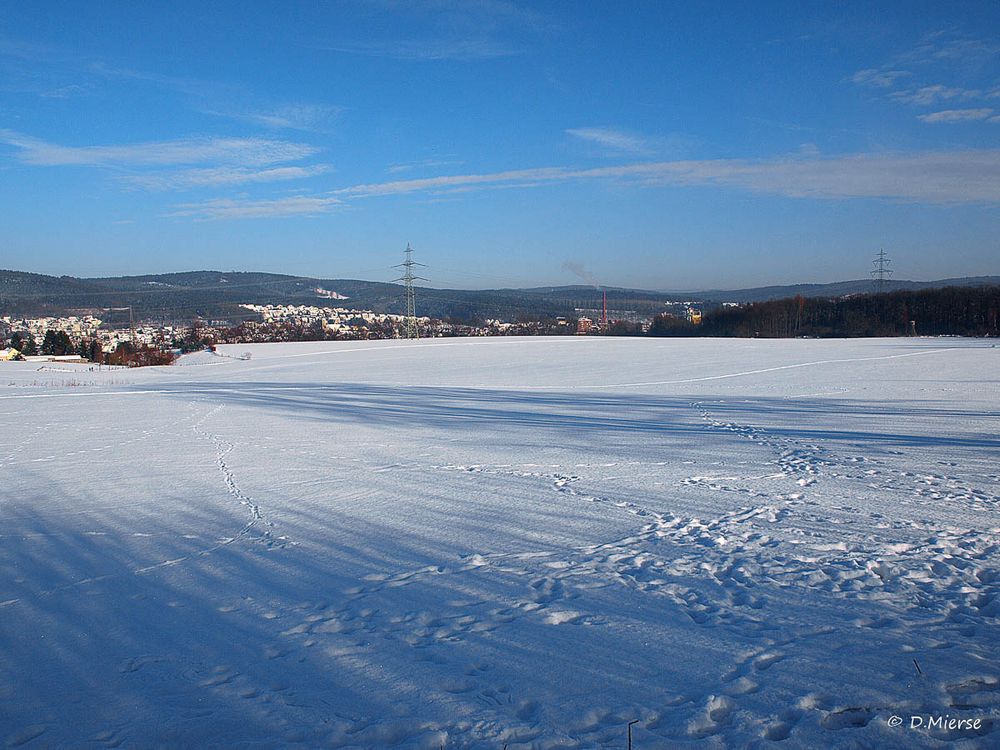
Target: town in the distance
89, 338
151, 320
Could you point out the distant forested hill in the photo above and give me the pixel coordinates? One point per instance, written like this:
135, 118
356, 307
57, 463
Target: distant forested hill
218, 295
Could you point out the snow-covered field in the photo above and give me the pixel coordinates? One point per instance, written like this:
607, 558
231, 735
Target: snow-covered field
529, 542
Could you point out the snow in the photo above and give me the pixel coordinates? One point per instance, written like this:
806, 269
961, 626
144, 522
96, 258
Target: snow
479, 542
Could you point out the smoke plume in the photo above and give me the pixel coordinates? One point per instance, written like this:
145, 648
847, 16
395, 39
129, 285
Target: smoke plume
579, 270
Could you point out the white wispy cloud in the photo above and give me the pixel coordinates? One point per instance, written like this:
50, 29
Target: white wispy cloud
308, 117
294, 116
242, 151
68, 91
457, 30
945, 55
424, 164
951, 47
614, 139
415, 50
179, 164
194, 88
957, 115
935, 177
225, 208
878, 78
32, 51
42, 70
927, 95
222, 176
494, 179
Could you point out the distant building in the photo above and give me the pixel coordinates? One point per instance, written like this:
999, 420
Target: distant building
583, 325
694, 316
10, 354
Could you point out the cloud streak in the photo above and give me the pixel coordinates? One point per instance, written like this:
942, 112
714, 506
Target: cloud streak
611, 138
946, 54
222, 177
970, 176
947, 46
225, 208
459, 50
455, 30
927, 95
424, 164
307, 117
878, 78
245, 151
933, 177
957, 115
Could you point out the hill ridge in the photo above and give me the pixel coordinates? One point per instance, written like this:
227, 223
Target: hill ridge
218, 294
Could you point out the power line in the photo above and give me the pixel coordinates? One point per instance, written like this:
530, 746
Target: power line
131, 322
408, 278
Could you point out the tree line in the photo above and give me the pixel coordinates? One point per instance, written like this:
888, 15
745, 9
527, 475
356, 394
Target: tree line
952, 311
58, 344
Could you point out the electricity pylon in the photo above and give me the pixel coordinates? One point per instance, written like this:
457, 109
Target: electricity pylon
408, 278
881, 271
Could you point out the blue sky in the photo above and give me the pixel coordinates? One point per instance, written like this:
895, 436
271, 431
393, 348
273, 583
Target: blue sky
649, 144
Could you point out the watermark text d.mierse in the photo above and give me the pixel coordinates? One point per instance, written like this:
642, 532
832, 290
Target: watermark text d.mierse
930, 721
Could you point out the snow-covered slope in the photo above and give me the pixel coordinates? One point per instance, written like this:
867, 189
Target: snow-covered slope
528, 542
